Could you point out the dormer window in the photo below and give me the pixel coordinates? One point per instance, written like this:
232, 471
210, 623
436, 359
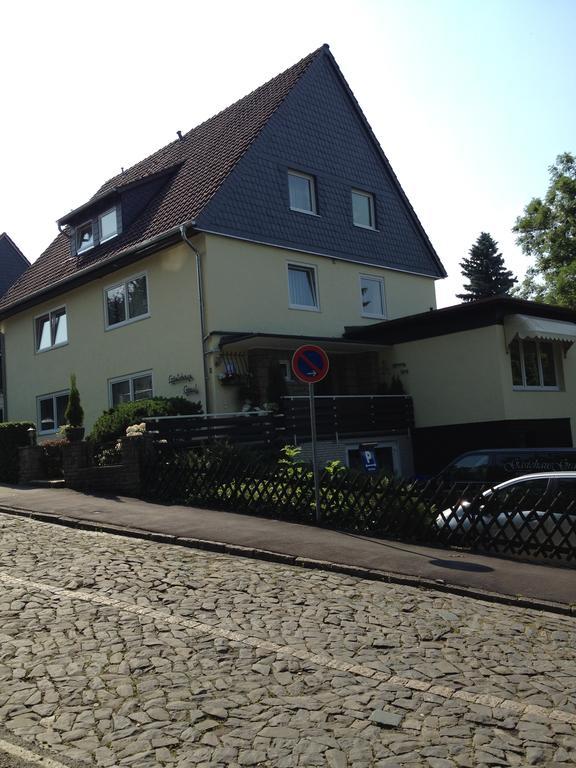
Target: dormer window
84, 237
101, 228
108, 222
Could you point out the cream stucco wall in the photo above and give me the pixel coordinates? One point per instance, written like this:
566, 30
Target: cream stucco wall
247, 290
467, 377
167, 342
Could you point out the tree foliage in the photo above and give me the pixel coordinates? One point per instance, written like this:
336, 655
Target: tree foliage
485, 271
547, 233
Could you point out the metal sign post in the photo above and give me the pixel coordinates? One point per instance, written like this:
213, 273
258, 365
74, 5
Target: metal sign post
314, 460
310, 365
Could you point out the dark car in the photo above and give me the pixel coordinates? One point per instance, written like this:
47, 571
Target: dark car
495, 465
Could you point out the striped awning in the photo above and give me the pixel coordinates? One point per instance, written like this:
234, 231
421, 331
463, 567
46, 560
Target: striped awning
541, 328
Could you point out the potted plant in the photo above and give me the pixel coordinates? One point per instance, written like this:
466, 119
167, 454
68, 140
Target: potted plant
74, 414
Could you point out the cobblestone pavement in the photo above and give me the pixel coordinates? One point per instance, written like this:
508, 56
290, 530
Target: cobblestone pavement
119, 652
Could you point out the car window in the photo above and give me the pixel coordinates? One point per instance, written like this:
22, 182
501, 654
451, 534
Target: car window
565, 489
471, 467
527, 495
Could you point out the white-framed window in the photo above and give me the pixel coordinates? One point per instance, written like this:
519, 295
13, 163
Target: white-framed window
302, 287
85, 237
372, 297
534, 364
51, 329
99, 229
363, 209
126, 389
108, 224
302, 192
127, 301
51, 410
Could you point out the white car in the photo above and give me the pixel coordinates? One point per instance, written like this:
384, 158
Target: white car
537, 509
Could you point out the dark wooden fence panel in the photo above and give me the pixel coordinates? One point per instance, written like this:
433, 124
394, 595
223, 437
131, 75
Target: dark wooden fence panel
366, 504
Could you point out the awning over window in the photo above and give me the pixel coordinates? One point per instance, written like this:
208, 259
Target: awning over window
527, 327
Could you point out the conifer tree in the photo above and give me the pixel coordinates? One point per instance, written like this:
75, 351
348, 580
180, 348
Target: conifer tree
485, 271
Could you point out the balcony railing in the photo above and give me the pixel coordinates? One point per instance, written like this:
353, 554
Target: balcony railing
337, 417
345, 416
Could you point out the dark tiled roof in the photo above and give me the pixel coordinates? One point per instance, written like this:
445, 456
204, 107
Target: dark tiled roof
12, 262
203, 159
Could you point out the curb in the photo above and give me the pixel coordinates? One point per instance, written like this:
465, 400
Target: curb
370, 574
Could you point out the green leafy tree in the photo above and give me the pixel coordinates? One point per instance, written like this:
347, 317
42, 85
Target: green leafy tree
485, 271
547, 233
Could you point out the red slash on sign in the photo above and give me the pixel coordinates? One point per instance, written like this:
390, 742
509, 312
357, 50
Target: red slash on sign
310, 364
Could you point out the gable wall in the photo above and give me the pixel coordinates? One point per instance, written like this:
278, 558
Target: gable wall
12, 265
318, 131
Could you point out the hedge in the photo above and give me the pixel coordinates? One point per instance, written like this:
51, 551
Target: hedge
112, 423
13, 434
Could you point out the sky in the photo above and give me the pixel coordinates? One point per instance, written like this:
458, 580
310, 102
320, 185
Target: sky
471, 100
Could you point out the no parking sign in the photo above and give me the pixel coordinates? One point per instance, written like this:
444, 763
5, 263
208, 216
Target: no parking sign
310, 364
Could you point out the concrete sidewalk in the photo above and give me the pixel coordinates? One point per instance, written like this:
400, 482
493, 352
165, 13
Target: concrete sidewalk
495, 578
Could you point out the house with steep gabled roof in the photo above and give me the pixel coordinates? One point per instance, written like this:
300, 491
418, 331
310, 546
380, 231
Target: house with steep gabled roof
12, 262
12, 265
199, 270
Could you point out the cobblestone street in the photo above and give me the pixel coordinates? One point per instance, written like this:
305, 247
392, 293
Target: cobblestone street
119, 652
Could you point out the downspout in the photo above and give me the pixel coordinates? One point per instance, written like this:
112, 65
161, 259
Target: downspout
201, 312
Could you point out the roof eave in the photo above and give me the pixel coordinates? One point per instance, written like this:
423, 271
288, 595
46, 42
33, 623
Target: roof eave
118, 260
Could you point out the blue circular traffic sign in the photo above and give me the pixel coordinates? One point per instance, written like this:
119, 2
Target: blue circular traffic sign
310, 364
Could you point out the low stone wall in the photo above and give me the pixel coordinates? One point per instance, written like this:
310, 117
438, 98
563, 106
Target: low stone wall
79, 473
31, 465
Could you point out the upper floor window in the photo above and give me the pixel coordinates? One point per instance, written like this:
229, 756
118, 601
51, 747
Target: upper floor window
363, 209
51, 409
533, 364
84, 237
302, 192
98, 230
108, 224
372, 296
51, 329
302, 287
137, 386
127, 301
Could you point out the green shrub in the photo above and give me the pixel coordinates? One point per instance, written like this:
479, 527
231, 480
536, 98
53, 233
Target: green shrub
112, 423
74, 413
13, 434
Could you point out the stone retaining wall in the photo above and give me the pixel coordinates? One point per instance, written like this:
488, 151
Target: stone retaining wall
81, 475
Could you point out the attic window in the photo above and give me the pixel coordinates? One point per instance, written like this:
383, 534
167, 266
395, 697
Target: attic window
84, 237
302, 192
101, 228
108, 222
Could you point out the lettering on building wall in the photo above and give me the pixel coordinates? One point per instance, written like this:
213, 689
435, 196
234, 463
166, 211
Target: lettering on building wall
179, 378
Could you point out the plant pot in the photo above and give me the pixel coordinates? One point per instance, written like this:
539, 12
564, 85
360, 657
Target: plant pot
75, 434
